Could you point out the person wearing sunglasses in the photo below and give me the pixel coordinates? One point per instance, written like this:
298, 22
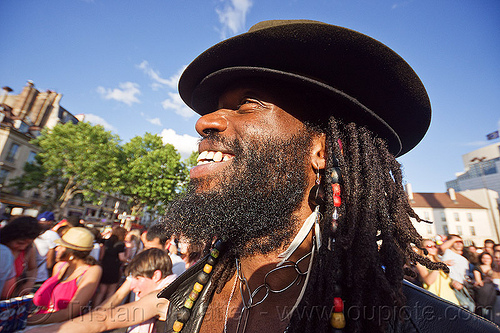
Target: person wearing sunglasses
436, 281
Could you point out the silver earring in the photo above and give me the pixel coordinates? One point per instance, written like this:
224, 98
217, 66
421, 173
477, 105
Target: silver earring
317, 194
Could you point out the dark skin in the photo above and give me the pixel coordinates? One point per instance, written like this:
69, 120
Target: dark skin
245, 113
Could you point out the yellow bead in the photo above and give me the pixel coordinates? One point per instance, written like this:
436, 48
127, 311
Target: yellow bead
207, 269
337, 320
198, 287
177, 326
214, 253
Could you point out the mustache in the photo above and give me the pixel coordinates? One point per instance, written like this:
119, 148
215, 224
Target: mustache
214, 138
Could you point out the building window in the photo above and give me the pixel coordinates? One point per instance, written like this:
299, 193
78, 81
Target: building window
473, 231
459, 230
426, 216
445, 230
443, 217
455, 215
429, 230
469, 217
11, 154
31, 157
3, 175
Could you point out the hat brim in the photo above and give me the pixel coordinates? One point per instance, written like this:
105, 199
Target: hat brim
352, 68
346, 107
62, 242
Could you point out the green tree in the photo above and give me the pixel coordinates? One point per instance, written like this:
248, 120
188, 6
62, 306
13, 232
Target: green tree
80, 158
152, 173
188, 163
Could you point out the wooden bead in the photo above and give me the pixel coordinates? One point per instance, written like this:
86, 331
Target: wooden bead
336, 189
336, 201
337, 291
198, 287
203, 278
188, 304
183, 315
214, 253
211, 260
177, 326
207, 269
338, 305
193, 295
337, 320
335, 176
218, 244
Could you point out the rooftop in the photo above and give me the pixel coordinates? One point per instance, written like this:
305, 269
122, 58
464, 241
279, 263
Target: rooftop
442, 200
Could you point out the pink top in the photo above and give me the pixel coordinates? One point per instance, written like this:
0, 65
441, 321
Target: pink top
53, 296
19, 263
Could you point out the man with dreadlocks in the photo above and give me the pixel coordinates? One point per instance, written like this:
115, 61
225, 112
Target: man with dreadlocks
297, 189
297, 193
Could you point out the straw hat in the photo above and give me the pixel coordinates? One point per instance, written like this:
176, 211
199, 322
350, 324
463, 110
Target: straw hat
77, 238
356, 76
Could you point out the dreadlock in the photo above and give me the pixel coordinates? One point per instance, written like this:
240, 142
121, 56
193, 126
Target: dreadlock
369, 243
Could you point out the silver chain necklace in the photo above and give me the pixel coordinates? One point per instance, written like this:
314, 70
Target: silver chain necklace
252, 301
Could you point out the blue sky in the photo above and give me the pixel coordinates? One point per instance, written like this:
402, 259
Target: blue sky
118, 61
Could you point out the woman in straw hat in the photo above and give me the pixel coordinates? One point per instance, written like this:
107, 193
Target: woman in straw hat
74, 280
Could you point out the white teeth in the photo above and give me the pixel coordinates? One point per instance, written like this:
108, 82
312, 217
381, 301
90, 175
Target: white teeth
207, 156
202, 156
217, 156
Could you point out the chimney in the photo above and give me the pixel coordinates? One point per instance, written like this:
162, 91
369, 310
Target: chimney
6, 91
409, 192
451, 193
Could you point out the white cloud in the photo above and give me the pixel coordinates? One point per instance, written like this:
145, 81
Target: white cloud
233, 16
96, 120
158, 81
154, 121
175, 103
475, 143
401, 4
185, 144
125, 94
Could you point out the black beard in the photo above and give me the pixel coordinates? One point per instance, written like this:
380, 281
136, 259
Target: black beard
252, 203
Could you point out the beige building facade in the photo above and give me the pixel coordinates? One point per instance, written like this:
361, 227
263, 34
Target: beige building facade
463, 214
22, 117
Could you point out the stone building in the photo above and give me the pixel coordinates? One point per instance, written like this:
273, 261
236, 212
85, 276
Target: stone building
22, 117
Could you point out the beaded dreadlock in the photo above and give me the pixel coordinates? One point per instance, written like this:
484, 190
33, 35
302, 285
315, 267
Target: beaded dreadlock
372, 243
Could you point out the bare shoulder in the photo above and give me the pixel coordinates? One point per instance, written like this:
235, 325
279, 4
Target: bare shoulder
93, 273
95, 269
57, 267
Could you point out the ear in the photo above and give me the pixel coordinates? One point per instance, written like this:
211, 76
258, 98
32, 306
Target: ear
318, 160
157, 276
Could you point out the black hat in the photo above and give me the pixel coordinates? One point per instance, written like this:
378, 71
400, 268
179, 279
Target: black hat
363, 80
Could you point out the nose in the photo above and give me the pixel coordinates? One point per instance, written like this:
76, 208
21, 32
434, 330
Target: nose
133, 284
212, 122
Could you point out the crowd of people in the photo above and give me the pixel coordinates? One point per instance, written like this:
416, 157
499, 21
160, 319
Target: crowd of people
70, 268
298, 196
473, 279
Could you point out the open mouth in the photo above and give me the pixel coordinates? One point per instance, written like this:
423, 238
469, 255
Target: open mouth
210, 156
